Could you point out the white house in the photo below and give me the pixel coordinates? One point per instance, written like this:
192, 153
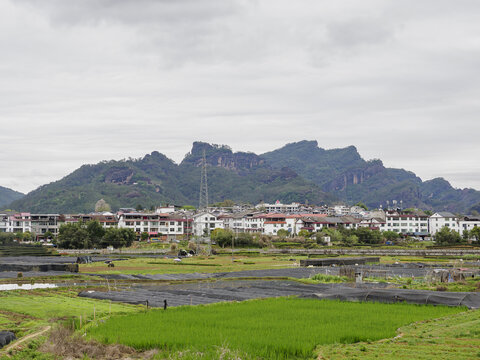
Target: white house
468, 223
274, 222
405, 223
278, 207
155, 224
441, 219
206, 222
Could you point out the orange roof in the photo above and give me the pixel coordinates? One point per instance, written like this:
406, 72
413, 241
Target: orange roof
274, 222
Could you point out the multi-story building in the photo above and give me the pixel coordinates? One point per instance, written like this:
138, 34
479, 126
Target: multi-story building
440, 219
316, 223
141, 222
44, 223
205, 222
20, 223
251, 222
468, 223
278, 207
274, 222
341, 210
407, 223
4, 222
174, 225
373, 223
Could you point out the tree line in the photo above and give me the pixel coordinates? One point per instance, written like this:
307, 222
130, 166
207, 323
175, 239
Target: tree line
91, 234
447, 236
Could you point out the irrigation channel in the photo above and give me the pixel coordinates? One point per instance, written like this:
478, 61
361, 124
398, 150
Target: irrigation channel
204, 288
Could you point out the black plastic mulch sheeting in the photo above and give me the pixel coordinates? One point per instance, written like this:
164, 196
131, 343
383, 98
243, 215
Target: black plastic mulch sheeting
402, 270
6, 337
29, 260
206, 292
470, 300
238, 290
297, 273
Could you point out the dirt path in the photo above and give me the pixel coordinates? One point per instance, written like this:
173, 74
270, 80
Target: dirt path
26, 338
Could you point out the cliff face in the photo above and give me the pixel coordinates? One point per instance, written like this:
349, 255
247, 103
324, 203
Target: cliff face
222, 156
354, 176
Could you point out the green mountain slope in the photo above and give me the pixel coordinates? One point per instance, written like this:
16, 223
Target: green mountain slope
155, 179
8, 195
345, 174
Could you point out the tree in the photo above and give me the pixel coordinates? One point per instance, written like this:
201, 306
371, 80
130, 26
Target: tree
222, 237
282, 233
466, 235
350, 240
320, 238
390, 235
304, 233
245, 239
139, 207
48, 235
73, 236
475, 233
128, 235
28, 236
144, 236
118, 237
6, 238
334, 234
367, 236
95, 232
91, 234
362, 205
102, 206
446, 236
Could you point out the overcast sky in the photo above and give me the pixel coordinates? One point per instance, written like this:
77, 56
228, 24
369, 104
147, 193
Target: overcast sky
88, 80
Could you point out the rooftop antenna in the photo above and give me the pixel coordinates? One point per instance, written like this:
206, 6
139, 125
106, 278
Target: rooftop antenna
203, 203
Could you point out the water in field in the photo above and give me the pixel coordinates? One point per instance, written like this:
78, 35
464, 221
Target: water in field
5, 287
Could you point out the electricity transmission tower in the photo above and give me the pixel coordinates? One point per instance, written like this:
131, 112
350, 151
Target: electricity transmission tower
203, 204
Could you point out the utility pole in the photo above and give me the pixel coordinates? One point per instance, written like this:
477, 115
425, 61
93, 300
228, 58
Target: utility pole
203, 202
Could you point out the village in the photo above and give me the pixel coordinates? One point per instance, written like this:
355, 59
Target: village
176, 223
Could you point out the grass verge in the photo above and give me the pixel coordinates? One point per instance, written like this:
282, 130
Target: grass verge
455, 337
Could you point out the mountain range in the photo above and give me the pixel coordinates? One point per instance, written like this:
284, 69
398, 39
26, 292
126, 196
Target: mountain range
8, 195
300, 171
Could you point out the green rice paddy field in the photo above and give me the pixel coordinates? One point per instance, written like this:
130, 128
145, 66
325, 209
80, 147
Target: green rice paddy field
280, 328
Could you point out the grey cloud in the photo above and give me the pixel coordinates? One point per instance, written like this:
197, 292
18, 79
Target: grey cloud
85, 80
359, 31
134, 12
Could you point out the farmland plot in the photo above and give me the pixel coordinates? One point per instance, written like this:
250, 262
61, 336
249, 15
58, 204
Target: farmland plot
281, 328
